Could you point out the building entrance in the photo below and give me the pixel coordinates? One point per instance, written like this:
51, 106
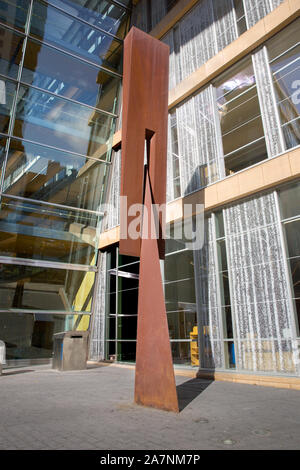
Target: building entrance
122, 301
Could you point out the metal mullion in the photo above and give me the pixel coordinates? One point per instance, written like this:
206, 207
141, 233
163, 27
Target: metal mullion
68, 113
80, 20
129, 264
287, 98
235, 22
285, 52
56, 95
173, 340
7, 145
12, 28
244, 146
291, 219
241, 104
114, 2
292, 120
44, 312
52, 204
125, 290
284, 67
54, 46
15, 99
293, 257
127, 315
233, 129
239, 95
37, 263
125, 341
125, 274
175, 252
179, 280
57, 148
245, 13
120, 4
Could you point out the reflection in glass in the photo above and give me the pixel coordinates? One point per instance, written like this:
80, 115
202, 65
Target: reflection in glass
181, 323
29, 230
2, 154
128, 296
66, 32
14, 13
126, 351
227, 322
7, 93
284, 52
44, 118
229, 355
246, 156
11, 45
224, 287
123, 305
240, 16
181, 353
240, 117
289, 201
49, 69
30, 335
295, 272
103, 14
292, 230
40, 288
297, 308
127, 327
53, 176
221, 247
175, 155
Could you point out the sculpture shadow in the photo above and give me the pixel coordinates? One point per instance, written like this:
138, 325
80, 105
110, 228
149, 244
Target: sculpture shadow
190, 390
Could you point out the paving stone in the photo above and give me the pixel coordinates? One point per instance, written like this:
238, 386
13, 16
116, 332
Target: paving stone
94, 409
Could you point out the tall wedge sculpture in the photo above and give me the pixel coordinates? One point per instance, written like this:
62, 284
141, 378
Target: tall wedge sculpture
143, 181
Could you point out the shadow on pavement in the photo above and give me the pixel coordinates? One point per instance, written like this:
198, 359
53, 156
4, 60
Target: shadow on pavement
189, 390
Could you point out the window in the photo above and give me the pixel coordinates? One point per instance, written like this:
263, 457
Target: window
284, 54
289, 201
175, 176
229, 347
240, 117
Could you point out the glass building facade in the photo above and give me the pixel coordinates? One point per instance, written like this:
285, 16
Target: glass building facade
234, 303
60, 77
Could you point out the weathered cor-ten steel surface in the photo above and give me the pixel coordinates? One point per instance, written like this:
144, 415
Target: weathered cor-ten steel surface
154, 375
145, 114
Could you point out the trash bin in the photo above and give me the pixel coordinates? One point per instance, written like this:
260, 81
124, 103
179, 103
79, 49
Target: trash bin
70, 350
2, 355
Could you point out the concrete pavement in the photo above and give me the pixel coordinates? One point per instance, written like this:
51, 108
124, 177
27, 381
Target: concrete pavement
93, 409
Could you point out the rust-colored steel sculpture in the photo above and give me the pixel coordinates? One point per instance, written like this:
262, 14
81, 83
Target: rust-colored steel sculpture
144, 120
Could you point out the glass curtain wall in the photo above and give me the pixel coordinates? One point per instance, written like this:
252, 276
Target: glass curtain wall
248, 114
149, 13
290, 214
122, 278
203, 31
60, 74
231, 304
